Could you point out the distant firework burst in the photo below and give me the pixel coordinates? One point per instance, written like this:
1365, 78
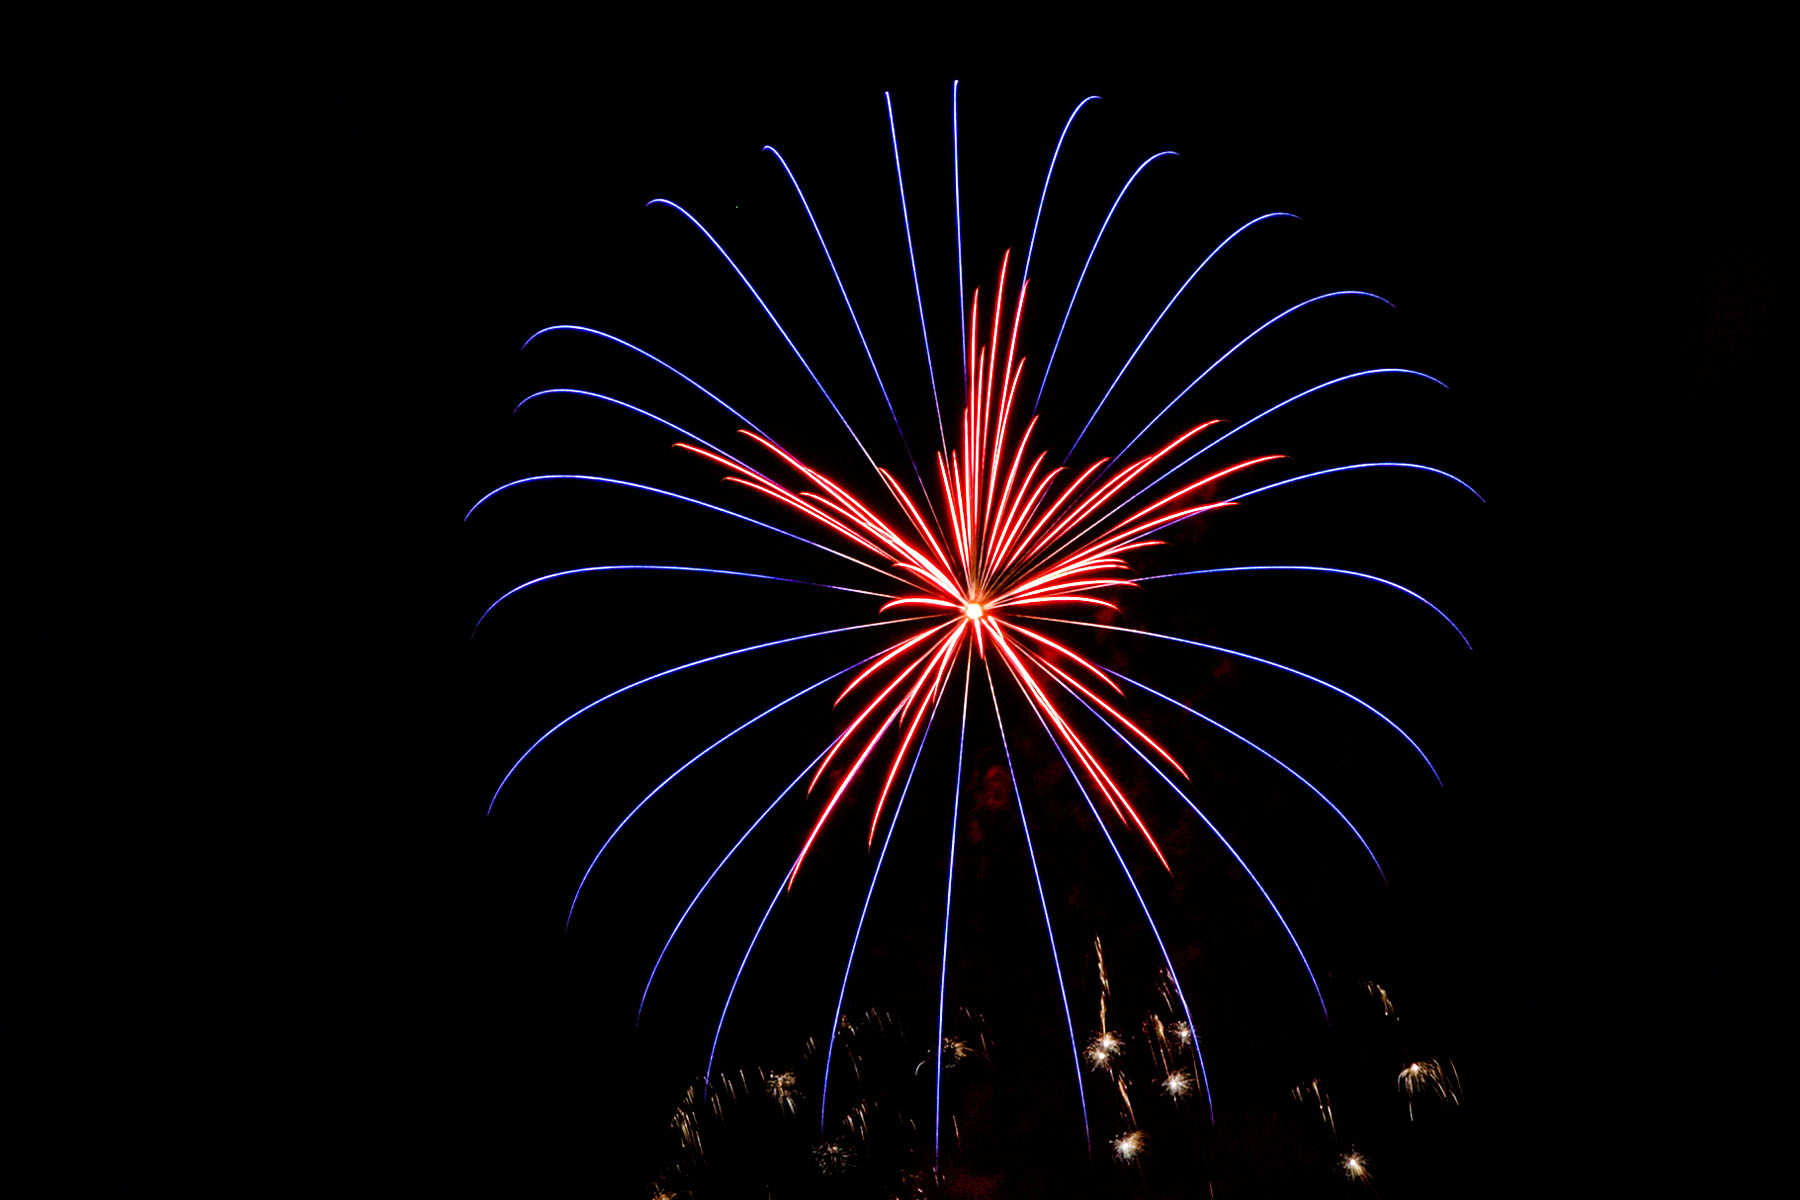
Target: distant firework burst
986, 559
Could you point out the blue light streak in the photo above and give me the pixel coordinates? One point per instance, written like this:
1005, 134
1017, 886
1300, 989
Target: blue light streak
1168, 962
744, 837
851, 309
1323, 570
1267, 411
1134, 496
780, 888
649, 567
1304, 781
619, 341
1037, 877
770, 313
1359, 467
1223, 840
1233, 432
937, 1127
676, 773
912, 259
644, 487
1169, 637
698, 662
874, 878
1054, 155
642, 412
1092, 250
962, 302
1159, 316
1245, 340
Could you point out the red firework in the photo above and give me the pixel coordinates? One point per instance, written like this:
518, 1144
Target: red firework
986, 562
1012, 546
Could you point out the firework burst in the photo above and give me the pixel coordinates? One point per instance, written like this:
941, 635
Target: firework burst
988, 565
1429, 1079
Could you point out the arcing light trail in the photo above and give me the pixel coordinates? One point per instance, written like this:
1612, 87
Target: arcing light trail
986, 551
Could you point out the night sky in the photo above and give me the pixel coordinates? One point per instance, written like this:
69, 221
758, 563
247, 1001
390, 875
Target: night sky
278, 946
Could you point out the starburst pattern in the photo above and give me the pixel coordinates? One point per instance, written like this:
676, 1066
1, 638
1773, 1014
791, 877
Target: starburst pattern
984, 566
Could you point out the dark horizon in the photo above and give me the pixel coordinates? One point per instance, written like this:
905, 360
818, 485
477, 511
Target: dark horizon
334, 959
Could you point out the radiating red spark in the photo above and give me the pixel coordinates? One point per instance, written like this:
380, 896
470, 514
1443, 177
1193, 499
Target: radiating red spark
1005, 549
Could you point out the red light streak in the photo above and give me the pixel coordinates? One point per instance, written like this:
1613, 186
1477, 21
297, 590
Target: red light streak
1005, 550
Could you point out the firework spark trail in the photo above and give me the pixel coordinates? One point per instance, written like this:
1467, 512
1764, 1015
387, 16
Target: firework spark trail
676, 773
912, 259
1303, 780
937, 1126
851, 309
780, 890
1244, 341
1036, 221
1132, 357
1324, 570
666, 567
1149, 920
694, 437
779, 328
1269, 487
1266, 412
856, 938
619, 341
956, 202
644, 487
1275, 408
1429, 1077
1169, 637
613, 400
1075, 293
701, 891
588, 707
1038, 879
1224, 841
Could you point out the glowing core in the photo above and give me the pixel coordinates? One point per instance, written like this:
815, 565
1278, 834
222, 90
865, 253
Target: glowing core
973, 609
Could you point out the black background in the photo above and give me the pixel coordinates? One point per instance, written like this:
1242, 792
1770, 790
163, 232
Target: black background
274, 941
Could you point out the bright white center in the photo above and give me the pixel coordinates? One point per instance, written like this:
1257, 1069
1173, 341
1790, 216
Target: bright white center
974, 611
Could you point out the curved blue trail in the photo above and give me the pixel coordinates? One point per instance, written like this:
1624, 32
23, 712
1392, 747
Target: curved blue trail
851, 309
1241, 343
1128, 501
780, 888
626, 819
651, 567
1168, 962
874, 878
1223, 840
962, 303
1169, 637
1324, 570
671, 671
1304, 781
1132, 357
770, 313
661, 954
642, 412
1037, 877
1080, 279
1269, 487
1045, 192
1237, 429
937, 1128
619, 341
644, 487
911, 258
